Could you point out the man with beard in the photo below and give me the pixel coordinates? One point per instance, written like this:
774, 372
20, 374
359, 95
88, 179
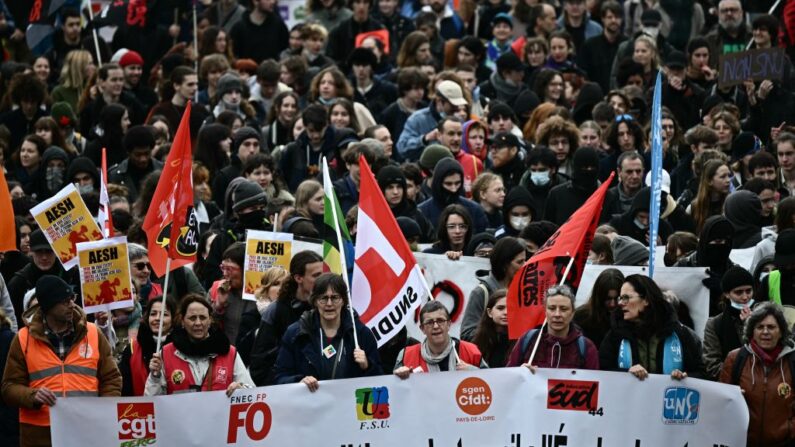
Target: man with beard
342, 39
565, 199
448, 21
731, 34
598, 53
44, 263
448, 188
133, 65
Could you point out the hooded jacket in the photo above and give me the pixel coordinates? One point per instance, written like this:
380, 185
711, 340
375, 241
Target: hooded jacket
440, 197
512, 172
565, 199
744, 210
771, 414
484, 151
498, 88
294, 164
83, 164
300, 355
393, 175
625, 223
518, 196
39, 188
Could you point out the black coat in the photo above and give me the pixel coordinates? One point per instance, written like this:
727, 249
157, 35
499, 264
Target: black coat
275, 321
563, 201
259, 42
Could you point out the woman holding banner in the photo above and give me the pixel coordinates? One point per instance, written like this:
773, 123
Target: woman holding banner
199, 358
562, 345
134, 365
646, 337
326, 343
763, 368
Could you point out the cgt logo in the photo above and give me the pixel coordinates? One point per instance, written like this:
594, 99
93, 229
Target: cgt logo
372, 407
575, 395
136, 423
680, 406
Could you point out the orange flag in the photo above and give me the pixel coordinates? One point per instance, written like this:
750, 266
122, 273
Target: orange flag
8, 229
526, 308
171, 226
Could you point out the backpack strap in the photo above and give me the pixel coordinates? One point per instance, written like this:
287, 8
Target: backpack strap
583, 347
524, 343
485, 295
739, 362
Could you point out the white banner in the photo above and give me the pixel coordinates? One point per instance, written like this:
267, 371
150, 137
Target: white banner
685, 282
500, 407
451, 282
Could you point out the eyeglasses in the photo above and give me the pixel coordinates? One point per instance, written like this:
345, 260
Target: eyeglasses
626, 298
142, 265
457, 227
229, 267
624, 117
437, 322
334, 299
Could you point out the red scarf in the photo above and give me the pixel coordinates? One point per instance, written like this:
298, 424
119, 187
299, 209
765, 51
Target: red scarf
768, 357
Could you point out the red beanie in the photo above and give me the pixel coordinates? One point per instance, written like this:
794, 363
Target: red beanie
131, 58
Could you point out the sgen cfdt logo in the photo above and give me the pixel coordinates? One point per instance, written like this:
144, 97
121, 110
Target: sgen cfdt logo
256, 417
136, 423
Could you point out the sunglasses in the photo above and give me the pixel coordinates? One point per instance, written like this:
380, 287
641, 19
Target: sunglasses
142, 265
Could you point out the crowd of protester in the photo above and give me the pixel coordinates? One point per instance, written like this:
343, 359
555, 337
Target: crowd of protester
486, 124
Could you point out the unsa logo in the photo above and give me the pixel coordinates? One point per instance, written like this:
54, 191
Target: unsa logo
680, 406
136, 422
473, 396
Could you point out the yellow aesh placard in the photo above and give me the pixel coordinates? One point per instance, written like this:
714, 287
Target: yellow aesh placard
66, 221
105, 274
264, 249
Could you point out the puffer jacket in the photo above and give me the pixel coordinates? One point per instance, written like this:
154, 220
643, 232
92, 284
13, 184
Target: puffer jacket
772, 415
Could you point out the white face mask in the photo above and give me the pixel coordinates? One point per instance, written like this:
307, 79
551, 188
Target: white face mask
518, 222
651, 31
540, 178
739, 306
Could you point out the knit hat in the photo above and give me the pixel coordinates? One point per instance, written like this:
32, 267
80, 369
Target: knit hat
745, 143
389, 175
139, 136
509, 62
651, 17
500, 109
785, 248
735, 277
628, 251
248, 194
432, 154
38, 241
228, 83
63, 114
409, 227
362, 56
243, 134
502, 18
51, 290
131, 58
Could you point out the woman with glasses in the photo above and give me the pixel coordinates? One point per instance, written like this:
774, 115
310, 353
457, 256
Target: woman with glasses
763, 368
453, 234
321, 345
199, 357
229, 307
562, 345
646, 336
439, 351
593, 317
135, 358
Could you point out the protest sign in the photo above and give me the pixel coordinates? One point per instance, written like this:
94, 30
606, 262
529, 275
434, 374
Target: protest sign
757, 65
264, 249
65, 221
497, 407
105, 274
685, 282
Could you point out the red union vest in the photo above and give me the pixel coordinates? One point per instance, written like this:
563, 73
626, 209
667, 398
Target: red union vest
179, 378
468, 352
76, 375
138, 370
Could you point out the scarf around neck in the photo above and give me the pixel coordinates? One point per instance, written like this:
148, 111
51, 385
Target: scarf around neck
433, 361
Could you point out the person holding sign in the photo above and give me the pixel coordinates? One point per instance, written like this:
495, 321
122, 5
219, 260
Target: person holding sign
199, 358
321, 344
438, 352
646, 337
58, 355
562, 345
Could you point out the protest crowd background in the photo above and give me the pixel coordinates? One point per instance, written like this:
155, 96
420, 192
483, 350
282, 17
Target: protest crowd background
486, 126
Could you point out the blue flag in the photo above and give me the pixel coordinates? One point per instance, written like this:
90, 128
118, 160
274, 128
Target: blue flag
656, 170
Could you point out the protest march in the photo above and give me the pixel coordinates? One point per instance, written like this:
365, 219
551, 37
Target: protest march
489, 223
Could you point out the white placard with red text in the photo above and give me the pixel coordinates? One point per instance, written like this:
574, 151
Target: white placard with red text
499, 407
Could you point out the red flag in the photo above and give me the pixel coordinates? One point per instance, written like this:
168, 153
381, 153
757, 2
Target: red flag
170, 224
545, 269
8, 228
387, 283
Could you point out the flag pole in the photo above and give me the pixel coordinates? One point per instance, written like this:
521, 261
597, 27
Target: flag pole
430, 295
343, 261
103, 196
94, 31
163, 303
541, 332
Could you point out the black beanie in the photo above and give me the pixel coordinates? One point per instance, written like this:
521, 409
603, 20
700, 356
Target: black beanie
735, 277
243, 134
389, 175
248, 194
51, 290
139, 136
409, 227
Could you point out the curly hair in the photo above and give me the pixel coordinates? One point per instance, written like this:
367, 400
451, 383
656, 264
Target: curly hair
760, 313
342, 87
557, 126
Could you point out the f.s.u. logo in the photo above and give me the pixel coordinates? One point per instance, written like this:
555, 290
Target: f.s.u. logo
680, 406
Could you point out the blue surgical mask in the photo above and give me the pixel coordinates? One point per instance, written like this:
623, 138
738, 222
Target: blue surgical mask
540, 178
739, 306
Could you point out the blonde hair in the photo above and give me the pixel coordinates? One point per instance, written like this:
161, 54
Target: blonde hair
269, 278
482, 183
73, 73
304, 193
